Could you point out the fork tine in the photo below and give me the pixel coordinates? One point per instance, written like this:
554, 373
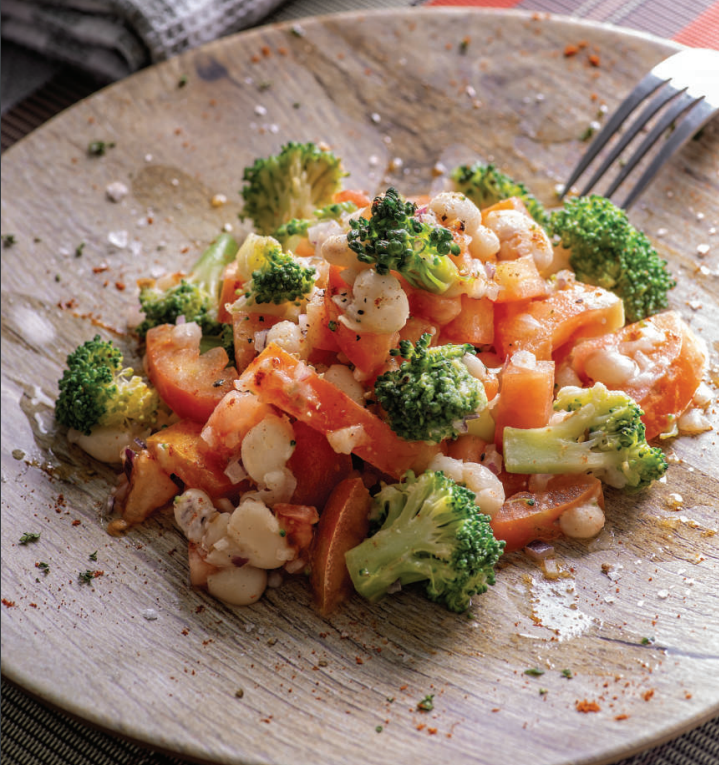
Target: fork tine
686, 129
682, 104
665, 95
648, 85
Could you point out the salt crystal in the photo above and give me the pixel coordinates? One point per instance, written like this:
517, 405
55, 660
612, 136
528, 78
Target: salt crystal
260, 110
249, 627
373, 160
116, 191
470, 91
175, 182
375, 117
702, 250
663, 594
150, 614
662, 232
117, 238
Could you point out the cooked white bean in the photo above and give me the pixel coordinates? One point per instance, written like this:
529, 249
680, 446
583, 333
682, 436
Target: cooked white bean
450, 206
475, 366
104, 444
342, 377
238, 586
520, 235
267, 447
287, 335
256, 532
583, 521
379, 304
335, 250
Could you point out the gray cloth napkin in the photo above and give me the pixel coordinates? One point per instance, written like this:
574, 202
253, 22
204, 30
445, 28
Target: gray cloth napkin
112, 38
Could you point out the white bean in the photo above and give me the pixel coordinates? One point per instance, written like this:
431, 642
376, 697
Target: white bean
520, 235
335, 250
287, 335
238, 586
342, 377
583, 521
475, 366
256, 532
267, 447
379, 304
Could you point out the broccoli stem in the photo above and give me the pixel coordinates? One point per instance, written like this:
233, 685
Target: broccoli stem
209, 268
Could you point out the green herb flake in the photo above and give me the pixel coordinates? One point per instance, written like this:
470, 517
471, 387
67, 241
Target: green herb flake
293, 442
648, 640
463, 45
427, 703
567, 673
297, 31
93, 556
587, 134
239, 693
29, 536
78, 250
379, 729
86, 577
534, 672
332, 326
543, 691
283, 533
98, 148
8, 240
182, 81
44, 567
264, 85
296, 105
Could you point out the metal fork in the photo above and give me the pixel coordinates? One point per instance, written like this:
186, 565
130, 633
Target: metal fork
687, 84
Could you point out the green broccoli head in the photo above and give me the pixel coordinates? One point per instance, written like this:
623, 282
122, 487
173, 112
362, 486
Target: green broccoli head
289, 233
430, 530
394, 239
280, 278
95, 389
291, 184
196, 297
485, 186
606, 250
601, 434
431, 392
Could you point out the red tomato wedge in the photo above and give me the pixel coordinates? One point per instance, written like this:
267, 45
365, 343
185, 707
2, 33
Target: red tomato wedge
343, 525
543, 326
474, 324
244, 327
190, 383
282, 380
525, 398
525, 517
317, 467
178, 450
673, 359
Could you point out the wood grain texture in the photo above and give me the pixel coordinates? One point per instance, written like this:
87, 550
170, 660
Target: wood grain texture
315, 689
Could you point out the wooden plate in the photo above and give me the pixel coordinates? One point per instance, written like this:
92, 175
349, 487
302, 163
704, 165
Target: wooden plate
635, 615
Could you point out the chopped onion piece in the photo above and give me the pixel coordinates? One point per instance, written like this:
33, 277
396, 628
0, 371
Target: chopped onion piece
539, 550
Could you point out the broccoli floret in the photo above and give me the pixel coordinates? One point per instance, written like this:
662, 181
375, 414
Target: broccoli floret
96, 389
291, 184
196, 297
280, 278
606, 250
431, 530
602, 434
485, 186
288, 233
394, 239
431, 392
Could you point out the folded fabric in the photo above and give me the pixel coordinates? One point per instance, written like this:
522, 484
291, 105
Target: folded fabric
112, 38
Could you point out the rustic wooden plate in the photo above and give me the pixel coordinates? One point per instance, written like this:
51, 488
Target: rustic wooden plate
641, 639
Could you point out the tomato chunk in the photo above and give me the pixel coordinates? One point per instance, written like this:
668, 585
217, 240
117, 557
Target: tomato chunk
525, 517
190, 383
344, 523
